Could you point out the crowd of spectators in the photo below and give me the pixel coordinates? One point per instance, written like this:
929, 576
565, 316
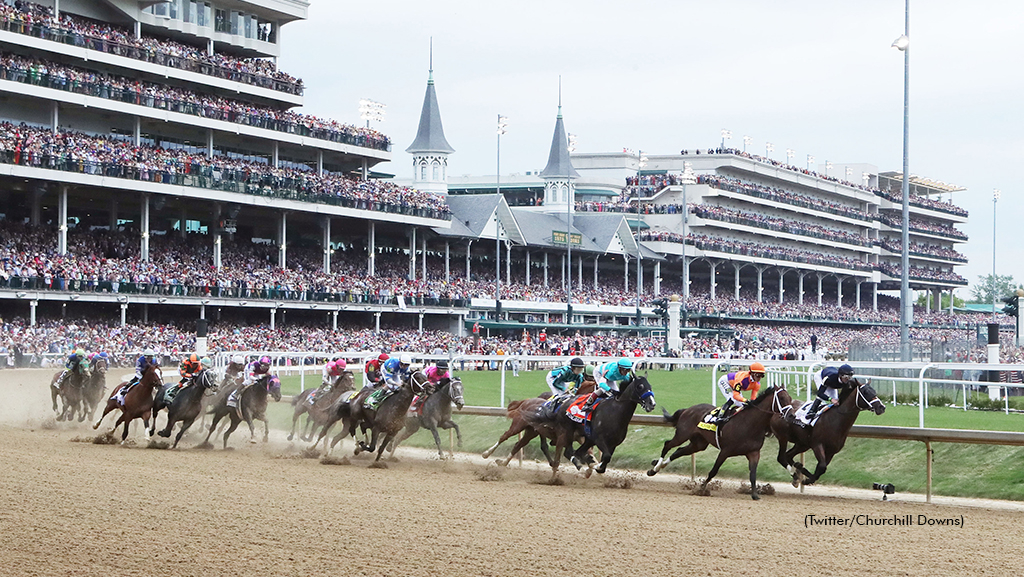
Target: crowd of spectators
22, 17
705, 242
920, 273
134, 91
720, 213
922, 249
922, 202
946, 230
632, 208
119, 158
783, 196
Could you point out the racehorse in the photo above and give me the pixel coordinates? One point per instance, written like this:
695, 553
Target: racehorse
186, 406
743, 434
137, 403
70, 394
95, 386
828, 436
436, 412
250, 404
609, 422
319, 412
528, 419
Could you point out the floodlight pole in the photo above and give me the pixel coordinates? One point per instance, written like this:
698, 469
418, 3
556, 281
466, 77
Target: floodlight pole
906, 306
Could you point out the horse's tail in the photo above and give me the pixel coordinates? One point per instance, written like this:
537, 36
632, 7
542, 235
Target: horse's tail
673, 418
297, 398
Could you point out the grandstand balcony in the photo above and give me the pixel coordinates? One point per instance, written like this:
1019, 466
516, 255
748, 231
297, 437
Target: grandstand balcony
701, 225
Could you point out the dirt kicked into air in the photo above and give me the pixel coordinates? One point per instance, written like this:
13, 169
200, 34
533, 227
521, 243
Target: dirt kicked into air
79, 508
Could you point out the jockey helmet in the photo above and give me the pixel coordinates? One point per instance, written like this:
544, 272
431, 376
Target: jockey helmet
103, 355
149, 353
405, 359
79, 353
625, 364
383, 357
442, 364
845, 370
577, 362
340, 365
206, 363
265, 360
238, 360
757, 368
588, 371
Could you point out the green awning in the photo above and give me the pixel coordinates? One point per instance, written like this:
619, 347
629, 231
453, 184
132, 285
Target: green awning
636, 223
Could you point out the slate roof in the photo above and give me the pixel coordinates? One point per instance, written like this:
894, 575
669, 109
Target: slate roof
430, 136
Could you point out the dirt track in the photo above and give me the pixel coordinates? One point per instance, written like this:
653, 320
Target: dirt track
72, 508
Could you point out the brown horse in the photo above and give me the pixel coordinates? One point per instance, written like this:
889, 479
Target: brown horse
436, 413
250, 405
137, 403
743, 434
320, 411
95, 386
828, 436
71, 395
185, 407
535, 426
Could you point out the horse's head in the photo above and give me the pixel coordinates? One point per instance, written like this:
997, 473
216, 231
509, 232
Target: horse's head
867, 398
154, 377
780, 399
100, 365
346, 382
642, 393
455, 391
417, 381
274, 387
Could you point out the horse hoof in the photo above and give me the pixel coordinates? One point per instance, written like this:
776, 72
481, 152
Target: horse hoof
162, 433
651, 473
754, 495
252, 441
290, 437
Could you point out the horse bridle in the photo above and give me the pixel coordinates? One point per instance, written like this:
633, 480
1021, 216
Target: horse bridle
777, 406
860, 396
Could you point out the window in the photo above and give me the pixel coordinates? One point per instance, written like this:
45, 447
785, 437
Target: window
221, 23
437, 171
206, 15
423, 171
193, 12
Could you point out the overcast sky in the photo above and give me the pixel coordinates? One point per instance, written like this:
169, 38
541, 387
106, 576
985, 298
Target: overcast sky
818, 77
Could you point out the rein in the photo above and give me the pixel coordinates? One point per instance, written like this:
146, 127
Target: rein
777, 406
857, 408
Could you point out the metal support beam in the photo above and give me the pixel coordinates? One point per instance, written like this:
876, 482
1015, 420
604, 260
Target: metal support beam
144, 228
273, 319
371, 251
282, 238
325, 225
62, 221
124, 314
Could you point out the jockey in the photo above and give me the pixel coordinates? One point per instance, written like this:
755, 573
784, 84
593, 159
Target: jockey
235, 367
333, 371
831, 382
437, 375
374, 368
76, 362
608, 376
396, 371
189, 369
567, 378
143, 363
733, 385
256, 370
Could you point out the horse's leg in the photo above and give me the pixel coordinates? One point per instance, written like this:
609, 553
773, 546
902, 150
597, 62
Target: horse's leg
124, 435
266, 428
515, 428
295, 419
561, 444
235, 421
661, 462
213, 427
405, 433
528, 434
752, 460
450, 424
821, 467
696, 444
714, 470
383, 444
580, 453
797, 467
437, 441
54, 393
166, 431
184, 427
111, 405
544, 448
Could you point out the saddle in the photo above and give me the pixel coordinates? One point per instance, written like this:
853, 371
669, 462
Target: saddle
799, 416
374, 399
577, 410
549, 408
121, 391
712, 420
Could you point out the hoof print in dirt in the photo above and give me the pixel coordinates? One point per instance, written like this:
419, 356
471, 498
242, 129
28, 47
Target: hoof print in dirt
621, 481
310, 453
378, 465
328, 460
154, 444
490, 474
107, 439
765, 489
205, 446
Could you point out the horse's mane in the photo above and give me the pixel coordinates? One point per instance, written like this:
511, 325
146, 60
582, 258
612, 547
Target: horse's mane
762, 395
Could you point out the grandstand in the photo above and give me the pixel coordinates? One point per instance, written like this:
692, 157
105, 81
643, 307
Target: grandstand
150, 157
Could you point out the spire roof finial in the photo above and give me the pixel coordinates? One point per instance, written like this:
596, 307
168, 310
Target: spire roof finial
430, 77
430, 136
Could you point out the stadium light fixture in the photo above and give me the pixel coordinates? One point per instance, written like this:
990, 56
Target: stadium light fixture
572, 142
502, 129
906, 306
370, 110
995, 199
746, 140
810, 161
790, 153
74, 297
768, 148
866, 177
849, 173
726, 135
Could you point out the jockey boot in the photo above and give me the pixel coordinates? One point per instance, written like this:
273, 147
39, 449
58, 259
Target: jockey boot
591, 402
813, 411
60, 380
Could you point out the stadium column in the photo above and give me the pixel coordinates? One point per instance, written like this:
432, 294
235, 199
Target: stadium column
563, 272
874, 297
282, 236
137, 132
782, 291
839, 291
657, 278
421, 324
319, 163
447, 261
138, 30
508, 263
800, 288
858, 294
144, 222
545, 269
334, 320
376, 322
62, 218
736, 282
625, 273
325, 225
216, 236
686, 276
714, 266
209, 143
595, 272
527, 267
371, 250
37, 206
579, 276
469, 250
124, 314
819, 289
276, 155
113, 214
56, 9
412, 253
760, 283
181, 222
273, 318
55, 116
32, 304
951, 303
423, 258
